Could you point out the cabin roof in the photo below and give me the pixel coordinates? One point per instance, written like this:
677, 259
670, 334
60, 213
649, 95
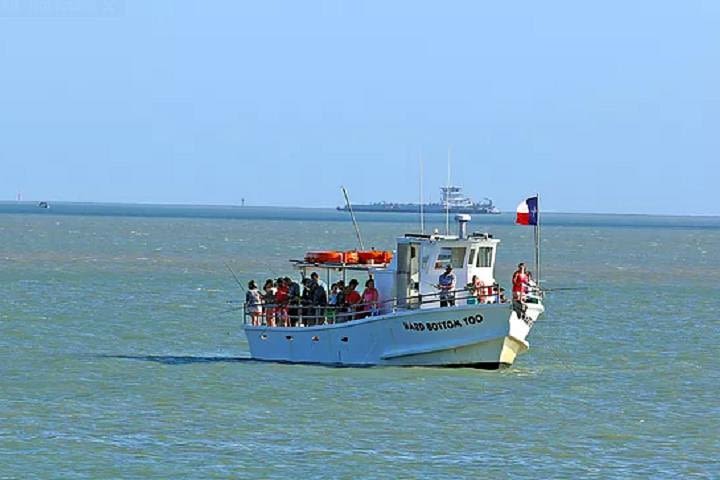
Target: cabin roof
475, 237
338, 266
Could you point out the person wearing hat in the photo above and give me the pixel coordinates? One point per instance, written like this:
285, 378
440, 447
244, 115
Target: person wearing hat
446, 284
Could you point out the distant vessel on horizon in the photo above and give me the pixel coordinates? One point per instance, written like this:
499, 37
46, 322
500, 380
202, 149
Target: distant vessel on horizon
452, 200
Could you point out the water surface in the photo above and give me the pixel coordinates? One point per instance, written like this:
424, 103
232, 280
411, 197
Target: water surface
119, 357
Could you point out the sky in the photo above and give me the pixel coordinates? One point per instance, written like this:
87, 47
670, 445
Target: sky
600, 106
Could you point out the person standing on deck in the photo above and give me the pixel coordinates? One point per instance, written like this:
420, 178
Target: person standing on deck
530, 285
293, 301
519, 282
446, 284
269, 298
352, 299
340, 304
319, 301
281, 298
316, 278
306, 302
253, 303
370, 299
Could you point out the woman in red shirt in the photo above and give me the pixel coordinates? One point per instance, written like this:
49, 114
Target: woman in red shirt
519, 280
281, 298
352, 299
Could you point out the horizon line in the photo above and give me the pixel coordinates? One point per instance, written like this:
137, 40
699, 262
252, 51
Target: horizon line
229, 205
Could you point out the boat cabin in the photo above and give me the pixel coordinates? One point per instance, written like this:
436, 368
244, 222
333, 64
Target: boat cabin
410, 279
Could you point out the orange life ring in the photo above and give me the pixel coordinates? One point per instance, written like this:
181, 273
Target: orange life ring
375, 256
352, 256
366, 256
386, 256
325, 256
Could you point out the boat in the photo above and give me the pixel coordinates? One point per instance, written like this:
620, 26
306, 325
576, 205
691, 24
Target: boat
452, 200
43, 205
408, 325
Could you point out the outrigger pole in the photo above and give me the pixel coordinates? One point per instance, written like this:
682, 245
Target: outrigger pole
352, 216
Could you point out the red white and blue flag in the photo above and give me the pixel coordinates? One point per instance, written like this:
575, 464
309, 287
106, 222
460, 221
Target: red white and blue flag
527, 212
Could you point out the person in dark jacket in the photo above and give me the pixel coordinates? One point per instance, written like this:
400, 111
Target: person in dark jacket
306, 309
319, 301
293, 300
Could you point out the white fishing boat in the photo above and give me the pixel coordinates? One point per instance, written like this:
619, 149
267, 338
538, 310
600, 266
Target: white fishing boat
408, 326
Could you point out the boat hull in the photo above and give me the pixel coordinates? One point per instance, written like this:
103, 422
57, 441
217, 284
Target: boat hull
483, 336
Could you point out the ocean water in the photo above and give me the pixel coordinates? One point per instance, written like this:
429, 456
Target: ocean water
121, 358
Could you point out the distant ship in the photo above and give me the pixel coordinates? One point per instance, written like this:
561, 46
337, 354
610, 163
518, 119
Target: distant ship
451, 200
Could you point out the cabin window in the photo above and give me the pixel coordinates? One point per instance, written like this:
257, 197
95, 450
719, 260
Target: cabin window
471, 259
454, 256
484, 257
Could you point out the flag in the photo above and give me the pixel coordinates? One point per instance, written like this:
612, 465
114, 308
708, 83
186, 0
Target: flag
527, 212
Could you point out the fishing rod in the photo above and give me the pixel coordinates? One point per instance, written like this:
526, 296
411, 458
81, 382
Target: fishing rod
237, 280
564, 289
233, 309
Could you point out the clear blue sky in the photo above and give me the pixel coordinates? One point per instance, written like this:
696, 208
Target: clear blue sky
606, 106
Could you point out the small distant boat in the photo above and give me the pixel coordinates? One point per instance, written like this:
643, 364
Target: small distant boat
44, 205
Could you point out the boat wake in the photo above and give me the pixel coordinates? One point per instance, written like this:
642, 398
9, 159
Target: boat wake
178, 359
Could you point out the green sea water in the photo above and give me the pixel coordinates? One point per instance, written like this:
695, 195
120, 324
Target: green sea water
119, 357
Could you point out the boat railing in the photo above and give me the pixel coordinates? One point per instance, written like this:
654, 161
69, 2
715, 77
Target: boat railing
294, 314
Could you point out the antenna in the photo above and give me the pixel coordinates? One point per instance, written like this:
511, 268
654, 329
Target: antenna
447, 198
422, 213
352, 216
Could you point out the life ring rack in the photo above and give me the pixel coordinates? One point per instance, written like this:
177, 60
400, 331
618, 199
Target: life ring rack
351, 257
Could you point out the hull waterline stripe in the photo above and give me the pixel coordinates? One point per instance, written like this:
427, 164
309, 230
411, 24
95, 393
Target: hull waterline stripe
446, 346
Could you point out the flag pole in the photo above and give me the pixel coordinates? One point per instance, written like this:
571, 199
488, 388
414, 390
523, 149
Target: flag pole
537, 242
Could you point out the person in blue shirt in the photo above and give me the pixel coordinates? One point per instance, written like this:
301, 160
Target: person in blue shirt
446, 284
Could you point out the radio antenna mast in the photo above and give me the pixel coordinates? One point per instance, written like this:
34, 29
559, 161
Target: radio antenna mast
447, 198
422, 212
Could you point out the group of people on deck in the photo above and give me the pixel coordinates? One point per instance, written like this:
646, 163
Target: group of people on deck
523, 284
284, 303
479, 291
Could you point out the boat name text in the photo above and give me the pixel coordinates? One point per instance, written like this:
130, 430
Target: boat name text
444, 325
